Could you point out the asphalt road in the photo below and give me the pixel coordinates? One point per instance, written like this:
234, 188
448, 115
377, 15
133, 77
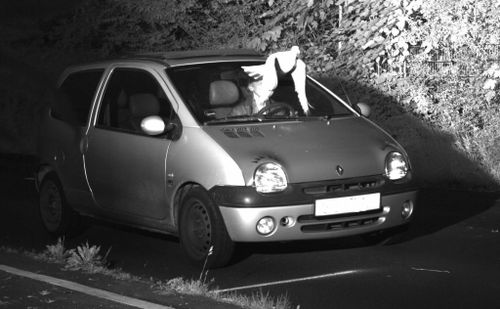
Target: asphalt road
449, 258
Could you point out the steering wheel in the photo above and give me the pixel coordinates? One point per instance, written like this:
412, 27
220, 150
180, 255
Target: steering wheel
277, 108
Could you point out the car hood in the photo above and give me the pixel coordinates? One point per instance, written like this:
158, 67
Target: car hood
309, 150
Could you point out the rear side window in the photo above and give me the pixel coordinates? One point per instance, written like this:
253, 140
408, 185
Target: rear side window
74, 97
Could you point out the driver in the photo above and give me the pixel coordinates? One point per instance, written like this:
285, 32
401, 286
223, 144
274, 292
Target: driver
254, 101
247, 106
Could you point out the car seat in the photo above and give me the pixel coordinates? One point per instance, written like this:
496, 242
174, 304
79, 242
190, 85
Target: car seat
223, 95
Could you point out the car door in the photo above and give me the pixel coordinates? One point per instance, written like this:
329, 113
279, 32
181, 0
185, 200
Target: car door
126, 167
71, 112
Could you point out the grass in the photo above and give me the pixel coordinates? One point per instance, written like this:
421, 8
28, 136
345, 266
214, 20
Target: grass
185, 286
87, 258
261, 300
258, 300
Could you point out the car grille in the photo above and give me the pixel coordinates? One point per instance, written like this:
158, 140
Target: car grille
312, 224
345, 186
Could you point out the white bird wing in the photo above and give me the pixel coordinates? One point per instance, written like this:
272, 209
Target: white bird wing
255, 71
299, 80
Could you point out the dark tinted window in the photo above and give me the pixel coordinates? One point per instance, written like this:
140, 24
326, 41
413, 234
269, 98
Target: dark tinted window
130, 96
74, 97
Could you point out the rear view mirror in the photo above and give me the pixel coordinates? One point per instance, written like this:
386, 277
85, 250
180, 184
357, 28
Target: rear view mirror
363, 109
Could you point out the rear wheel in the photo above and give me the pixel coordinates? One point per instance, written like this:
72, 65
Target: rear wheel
56, 215
202, 231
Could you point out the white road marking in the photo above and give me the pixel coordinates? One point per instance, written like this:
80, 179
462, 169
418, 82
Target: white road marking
337, 274
431, 270
129, 301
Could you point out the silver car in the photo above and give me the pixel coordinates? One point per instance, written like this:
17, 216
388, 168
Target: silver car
170, 143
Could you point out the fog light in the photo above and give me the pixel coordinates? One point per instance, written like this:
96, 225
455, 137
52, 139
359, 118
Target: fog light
407, 210
266, 226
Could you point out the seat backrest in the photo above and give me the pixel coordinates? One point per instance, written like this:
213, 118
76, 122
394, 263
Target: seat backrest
223, 93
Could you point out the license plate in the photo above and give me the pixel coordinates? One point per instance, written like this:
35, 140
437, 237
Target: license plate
347, 204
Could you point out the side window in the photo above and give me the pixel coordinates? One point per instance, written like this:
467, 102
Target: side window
130, 96
74, 97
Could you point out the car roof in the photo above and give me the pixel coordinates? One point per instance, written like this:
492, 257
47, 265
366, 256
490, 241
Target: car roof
170, 59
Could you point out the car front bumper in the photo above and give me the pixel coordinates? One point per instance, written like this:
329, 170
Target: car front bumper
297, 221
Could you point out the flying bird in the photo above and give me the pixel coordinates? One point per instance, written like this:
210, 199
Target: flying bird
266, 76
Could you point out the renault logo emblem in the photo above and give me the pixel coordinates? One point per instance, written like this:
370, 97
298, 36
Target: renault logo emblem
340, 170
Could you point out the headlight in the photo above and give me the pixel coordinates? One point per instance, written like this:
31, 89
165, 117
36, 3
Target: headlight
396, 166
270, 177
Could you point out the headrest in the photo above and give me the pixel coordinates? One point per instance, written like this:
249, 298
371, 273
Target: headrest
143, 105
223, 92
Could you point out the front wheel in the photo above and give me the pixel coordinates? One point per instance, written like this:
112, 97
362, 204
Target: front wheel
56, 215
202, 232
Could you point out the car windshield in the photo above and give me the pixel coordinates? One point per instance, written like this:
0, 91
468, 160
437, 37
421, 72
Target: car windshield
223, 93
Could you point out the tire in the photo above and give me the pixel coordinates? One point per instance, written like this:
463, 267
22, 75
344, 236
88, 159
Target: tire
202, 230
57, 217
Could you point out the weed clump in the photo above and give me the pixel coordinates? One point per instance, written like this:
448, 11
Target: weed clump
87, 258
56, 253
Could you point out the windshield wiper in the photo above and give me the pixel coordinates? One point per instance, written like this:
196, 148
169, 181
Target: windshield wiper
236, 119
280, 117
263, 118
330, 117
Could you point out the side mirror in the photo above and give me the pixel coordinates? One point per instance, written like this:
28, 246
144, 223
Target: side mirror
363, 109
153, 125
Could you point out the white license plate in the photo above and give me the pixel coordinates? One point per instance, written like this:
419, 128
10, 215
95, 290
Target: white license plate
347, 204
